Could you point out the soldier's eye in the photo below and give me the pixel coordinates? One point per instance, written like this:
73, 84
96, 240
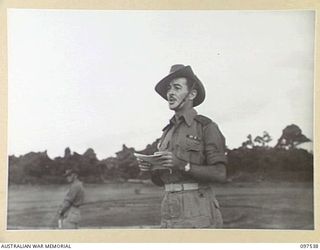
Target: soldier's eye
176, 86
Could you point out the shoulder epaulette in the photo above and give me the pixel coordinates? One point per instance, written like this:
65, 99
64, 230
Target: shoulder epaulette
203, 120
166, 127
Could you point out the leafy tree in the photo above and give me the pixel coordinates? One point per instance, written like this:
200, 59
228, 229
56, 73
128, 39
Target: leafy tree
291, 137
248, 143
263, 140
127, 163
67, 153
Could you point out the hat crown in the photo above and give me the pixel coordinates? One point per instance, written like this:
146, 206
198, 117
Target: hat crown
176, 67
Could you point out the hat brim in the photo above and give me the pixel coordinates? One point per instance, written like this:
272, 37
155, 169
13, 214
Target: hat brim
68, 173
162, 86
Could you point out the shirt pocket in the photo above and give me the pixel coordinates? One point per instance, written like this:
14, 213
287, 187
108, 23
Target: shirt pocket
190, 150
192, 142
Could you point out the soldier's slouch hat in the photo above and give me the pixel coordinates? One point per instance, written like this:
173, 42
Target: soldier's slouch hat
180, 70
70, 171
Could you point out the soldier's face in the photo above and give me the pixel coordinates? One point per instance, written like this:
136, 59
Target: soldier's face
70, 178
177, 90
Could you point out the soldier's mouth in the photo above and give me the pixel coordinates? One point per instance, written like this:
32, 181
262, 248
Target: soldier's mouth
172, 100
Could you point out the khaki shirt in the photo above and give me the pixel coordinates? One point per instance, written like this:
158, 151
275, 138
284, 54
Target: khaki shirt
192, 142
74, 197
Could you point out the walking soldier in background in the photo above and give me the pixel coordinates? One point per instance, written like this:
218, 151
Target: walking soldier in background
192, 153
69, 212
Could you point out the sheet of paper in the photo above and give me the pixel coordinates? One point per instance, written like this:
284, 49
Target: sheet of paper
152, 159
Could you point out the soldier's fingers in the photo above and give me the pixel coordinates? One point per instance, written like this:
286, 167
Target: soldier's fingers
159, 153
144, 168
167, 164
141, 161
165, 157
162, 163
144, 163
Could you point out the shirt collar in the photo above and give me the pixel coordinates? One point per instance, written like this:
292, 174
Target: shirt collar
188, 117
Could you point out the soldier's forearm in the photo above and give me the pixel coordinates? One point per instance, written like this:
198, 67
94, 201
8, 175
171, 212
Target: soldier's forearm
212, 173
64, 207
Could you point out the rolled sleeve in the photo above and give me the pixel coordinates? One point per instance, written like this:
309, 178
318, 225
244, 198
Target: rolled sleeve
72, 194
70, 198
214, 145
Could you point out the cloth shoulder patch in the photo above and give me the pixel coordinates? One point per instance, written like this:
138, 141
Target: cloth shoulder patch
203, 120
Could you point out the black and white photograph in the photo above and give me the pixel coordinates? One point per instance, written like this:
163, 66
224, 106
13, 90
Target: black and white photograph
160, 119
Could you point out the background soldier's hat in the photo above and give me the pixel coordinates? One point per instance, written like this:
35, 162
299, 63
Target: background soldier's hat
179, 70
70, 171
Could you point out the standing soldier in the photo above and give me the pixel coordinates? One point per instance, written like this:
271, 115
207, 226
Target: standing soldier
192, 149
69, 211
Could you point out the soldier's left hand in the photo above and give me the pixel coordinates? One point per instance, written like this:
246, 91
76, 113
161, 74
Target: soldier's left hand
59, 212
169, 160
144, 166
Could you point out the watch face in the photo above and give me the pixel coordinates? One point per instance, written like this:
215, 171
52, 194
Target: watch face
187, 167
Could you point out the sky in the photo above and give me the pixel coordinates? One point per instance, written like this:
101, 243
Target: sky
85, 79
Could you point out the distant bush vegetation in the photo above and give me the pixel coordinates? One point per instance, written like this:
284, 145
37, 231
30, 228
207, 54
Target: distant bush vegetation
271, 164
253, 161
38, 168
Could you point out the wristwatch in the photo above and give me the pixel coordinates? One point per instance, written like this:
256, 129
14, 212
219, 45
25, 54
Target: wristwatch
187, 167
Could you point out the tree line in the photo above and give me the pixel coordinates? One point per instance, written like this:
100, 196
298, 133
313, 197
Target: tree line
254, 160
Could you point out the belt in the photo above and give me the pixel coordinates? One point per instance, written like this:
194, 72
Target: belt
176, 187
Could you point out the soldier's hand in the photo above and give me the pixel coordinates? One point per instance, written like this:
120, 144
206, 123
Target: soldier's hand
144, 166
169, 160
59, 212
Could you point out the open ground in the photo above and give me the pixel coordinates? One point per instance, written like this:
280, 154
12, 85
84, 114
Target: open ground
254, 205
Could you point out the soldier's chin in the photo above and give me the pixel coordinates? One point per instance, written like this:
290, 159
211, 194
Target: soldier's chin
173, 106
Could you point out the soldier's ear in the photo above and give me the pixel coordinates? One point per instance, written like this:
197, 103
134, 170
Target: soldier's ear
193, 94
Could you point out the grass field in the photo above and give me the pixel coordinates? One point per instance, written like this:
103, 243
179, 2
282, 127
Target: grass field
135, 205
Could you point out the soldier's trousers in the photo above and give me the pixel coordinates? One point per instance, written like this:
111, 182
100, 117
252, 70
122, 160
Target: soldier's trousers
191, 209
72, 219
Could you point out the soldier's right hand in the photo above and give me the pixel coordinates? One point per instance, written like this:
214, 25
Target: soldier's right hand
144, 166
